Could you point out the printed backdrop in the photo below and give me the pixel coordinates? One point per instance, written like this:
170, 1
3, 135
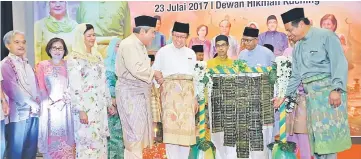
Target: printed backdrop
115, 19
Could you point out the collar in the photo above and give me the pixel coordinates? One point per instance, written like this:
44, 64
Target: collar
309, 33
218, 58
176, 48
257, 46
17, 58
136, 39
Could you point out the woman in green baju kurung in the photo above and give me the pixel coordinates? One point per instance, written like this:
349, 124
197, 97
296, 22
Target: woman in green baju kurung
115, 142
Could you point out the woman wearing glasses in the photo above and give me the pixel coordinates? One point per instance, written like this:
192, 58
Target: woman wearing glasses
55, 127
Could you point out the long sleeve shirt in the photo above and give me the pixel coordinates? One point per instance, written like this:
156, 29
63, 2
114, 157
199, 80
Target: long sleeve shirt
233, 50
319, 52
259, 56
278, 40
2, 117
171, 60
20, 85
132, 61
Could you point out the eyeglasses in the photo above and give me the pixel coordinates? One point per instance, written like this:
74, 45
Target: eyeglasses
221, 46
57, 49
247, 40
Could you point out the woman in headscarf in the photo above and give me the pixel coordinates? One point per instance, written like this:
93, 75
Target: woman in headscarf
115, 142
56, 129
90, 95
56, 24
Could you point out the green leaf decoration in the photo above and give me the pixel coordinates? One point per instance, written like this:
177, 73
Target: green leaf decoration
287, 146
273, 74
240, 64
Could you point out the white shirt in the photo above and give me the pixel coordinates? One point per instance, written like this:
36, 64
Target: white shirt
170, 60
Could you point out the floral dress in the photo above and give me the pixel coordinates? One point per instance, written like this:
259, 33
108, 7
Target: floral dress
89, 94
56, 124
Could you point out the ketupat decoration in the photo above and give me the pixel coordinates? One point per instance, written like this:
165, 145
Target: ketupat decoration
283, 149
203, 80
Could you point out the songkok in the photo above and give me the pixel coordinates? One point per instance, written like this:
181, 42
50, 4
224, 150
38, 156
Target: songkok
251, 32
181, 27
292, 15
269, 46
197, 48
152, 57
271, 17
222, 38
145, 21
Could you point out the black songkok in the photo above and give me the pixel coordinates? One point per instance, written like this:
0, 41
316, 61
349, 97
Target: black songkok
145, 21
222, 38
251, 32
181, 27
292, 15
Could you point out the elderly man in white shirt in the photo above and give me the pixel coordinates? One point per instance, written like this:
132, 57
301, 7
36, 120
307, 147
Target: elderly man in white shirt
177, 62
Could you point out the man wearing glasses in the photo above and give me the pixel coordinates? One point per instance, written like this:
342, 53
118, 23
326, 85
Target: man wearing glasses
234, 47
254, 54
258, 55
176, 62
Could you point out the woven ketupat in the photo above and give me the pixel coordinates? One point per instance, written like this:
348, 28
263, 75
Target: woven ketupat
254, 114
216, 99
240, 107
229, 110
242, 120
267, 90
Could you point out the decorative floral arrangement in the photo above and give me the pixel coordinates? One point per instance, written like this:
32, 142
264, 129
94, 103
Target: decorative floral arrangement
284, 70
203, 80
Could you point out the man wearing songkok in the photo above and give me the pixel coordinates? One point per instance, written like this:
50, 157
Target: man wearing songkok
133, 87
179, 104
222, 152
277, 39
234, 46
257, 55
254, 54
198, 49
20, 85
319, 63
222, 58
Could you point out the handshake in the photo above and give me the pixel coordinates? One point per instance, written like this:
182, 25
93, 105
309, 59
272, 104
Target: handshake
158, 77
34, 106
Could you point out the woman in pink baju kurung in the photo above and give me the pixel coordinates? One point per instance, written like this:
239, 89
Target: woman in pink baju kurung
56, 135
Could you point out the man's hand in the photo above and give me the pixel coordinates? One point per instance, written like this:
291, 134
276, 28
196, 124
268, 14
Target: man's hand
277, 102
5, 108
34, 107
196, 107
83, 117
114, 102
158, 77
335, 99
112, 110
